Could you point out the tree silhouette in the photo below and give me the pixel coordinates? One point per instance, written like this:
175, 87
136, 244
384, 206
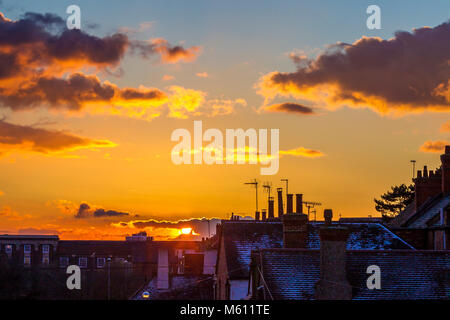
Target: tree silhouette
394, 201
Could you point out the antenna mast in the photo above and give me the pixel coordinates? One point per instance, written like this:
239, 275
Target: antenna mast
413, 167
255, 183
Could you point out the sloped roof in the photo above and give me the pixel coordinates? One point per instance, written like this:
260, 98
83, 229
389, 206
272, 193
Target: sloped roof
429, 210
241, 237
412, 218
291, 274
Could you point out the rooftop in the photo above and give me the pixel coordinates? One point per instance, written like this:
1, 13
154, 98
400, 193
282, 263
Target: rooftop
291, 274
240, 238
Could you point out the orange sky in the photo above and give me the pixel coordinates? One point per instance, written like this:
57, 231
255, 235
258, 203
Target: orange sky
83, 128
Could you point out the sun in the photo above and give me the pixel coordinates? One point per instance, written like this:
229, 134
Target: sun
186, 231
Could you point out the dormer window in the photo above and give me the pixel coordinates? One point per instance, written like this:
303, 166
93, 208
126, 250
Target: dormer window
101, 262
27, 248
82, 262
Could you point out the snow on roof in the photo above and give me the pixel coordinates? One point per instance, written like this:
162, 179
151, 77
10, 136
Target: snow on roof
240, 238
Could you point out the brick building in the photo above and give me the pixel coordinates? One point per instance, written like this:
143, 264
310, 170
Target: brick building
30, 250
426, 221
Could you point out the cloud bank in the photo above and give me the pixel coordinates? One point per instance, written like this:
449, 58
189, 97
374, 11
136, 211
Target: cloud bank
407, 73
15, 137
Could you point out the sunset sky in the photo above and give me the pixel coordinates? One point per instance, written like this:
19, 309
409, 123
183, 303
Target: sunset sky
87, 116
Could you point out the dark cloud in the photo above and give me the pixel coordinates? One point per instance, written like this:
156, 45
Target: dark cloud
202, 226
135, 94
50, 39
409, 72
290, 107
99, 213
168, 53
73, 93
85, 211
198, 225
15, 137
42, 63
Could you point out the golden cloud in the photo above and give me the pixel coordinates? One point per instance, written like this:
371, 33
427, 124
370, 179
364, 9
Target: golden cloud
434, 146
302, 152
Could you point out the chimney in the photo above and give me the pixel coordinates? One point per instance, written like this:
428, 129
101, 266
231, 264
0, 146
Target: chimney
333, 283
427, 185
445, 159
299, 202
257, 215
280, 202
328, 216
295, 230
271, 208
264, 214
289, 204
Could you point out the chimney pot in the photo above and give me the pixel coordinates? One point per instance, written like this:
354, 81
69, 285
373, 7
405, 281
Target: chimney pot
289, 204
425, 172
328, 216
257, 215
419, 173
280, 202
299, 202
264, 214
271, 208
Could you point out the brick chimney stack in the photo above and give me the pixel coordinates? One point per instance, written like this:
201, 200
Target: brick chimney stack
299, 202
280, 202
271, 208
427, 185
445, 159
295, 230
290, 203
328, 216
333, 283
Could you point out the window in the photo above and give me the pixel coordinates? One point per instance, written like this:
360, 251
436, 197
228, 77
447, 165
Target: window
9, 249
63, 262
27, 248
27, 254
45, 254
101, 262
27, 260
82, 262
